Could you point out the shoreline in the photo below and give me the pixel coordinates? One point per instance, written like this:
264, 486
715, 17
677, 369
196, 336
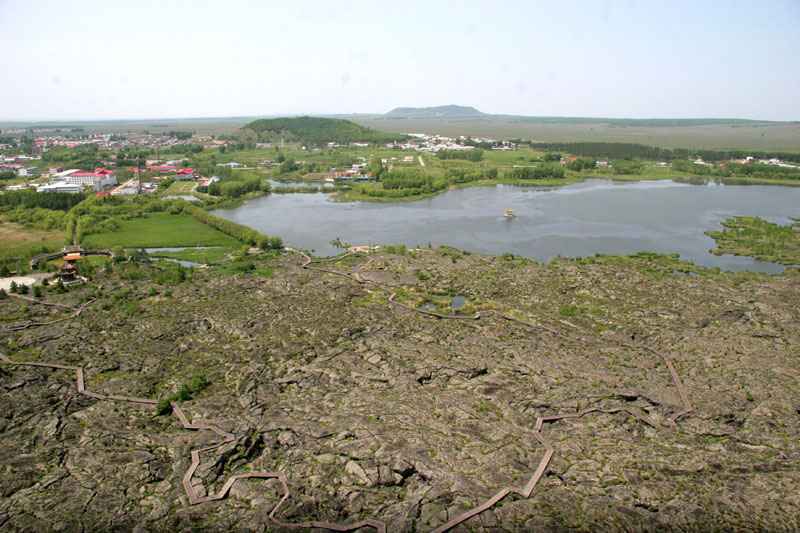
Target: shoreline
353, 196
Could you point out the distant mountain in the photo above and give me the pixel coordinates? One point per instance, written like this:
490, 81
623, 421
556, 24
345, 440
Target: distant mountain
317, 130
467, 112
442, 111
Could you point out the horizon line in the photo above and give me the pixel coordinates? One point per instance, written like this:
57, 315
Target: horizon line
45, 121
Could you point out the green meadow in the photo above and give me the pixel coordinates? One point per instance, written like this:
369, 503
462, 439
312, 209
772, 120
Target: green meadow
161, 230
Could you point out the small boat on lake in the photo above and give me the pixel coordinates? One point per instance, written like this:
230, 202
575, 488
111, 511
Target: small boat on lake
509, 213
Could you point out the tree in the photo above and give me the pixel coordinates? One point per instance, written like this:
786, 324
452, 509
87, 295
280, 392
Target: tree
37, 291
13, 288
375, 167
287, 166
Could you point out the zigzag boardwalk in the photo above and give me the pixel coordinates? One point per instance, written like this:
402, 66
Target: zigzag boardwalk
528, 488
225, 437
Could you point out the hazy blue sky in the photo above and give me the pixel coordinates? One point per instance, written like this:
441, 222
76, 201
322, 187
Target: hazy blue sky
114, 59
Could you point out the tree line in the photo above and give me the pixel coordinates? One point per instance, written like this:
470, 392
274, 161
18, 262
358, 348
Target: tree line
537, 172
752, 170
237, 231
641, 151
467, 155
61, 201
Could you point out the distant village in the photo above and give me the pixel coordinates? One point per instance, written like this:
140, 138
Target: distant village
105, 179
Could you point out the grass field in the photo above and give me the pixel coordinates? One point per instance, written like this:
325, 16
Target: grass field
180, 187
161, 230
20, 242
783, 136
752, 136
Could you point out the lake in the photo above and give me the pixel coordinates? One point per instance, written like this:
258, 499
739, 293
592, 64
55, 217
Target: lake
595, 216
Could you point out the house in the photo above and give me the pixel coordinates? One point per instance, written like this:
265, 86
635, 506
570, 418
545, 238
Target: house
601, 163
232, 164
162, 169
184, 174
205, 182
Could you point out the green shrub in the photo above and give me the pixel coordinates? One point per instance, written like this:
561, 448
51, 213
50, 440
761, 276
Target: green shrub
568, 310
185, 392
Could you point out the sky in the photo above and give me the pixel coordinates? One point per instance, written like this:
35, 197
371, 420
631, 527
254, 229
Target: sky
119, 59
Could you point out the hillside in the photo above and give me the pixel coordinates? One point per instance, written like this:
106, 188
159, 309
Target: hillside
575, 379
316, 130
442, 111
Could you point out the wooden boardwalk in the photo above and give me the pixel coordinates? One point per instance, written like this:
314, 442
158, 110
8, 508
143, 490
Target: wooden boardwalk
225, 437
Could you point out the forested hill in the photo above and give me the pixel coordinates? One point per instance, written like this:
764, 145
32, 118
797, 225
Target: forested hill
317, 130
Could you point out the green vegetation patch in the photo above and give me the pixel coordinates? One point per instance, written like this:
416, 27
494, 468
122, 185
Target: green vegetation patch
317, 130
208, 256
186, 392
180, 187
160, 230
757, 238
19, 243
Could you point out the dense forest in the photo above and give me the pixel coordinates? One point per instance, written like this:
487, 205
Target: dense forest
315, 130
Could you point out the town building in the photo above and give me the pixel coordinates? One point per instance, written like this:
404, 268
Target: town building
98, 179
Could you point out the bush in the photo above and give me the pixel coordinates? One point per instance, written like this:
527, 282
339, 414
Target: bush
568, 310
185, 392
396, 249
581, 164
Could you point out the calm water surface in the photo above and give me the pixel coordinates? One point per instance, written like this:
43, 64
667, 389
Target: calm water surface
596, 216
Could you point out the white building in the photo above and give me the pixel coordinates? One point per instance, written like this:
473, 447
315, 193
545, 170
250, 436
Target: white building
27, 172
98, 180
60, 186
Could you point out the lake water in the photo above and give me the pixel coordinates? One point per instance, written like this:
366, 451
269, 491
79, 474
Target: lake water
595, 216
